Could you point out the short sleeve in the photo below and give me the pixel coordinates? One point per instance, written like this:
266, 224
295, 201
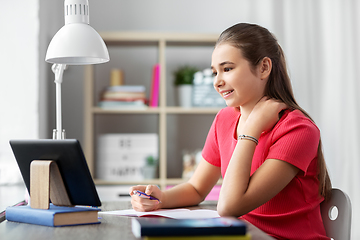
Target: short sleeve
295, 141
210, 151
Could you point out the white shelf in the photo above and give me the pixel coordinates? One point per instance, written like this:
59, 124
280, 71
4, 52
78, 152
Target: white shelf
150, 110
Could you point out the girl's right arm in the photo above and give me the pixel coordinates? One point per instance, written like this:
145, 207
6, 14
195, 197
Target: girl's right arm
190, 193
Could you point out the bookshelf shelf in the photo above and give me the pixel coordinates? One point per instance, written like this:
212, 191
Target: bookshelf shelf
180, 110
168, 110
98, 110
166, 114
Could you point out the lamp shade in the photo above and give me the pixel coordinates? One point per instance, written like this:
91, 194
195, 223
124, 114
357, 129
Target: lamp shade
77, 43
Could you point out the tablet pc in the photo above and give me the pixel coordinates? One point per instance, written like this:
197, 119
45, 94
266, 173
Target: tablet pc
71, 161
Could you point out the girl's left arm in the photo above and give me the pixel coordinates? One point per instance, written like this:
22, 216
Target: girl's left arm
241, 193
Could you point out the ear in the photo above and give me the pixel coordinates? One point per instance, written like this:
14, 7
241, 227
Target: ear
265, 67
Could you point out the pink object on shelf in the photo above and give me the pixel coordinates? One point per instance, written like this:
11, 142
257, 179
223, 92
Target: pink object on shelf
154, 94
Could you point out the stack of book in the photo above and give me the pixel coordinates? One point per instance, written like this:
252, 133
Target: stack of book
190, 229
123, 96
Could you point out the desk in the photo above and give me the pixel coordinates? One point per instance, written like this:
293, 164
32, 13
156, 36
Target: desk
111, 227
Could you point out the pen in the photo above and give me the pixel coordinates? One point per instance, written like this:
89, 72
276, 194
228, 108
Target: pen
144, 195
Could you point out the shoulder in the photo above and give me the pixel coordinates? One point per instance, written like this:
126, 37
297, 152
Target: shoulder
226, 117
227, 112
294, 139
296, 121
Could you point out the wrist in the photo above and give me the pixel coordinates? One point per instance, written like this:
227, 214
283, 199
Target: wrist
251, 129
162, 200
248, 137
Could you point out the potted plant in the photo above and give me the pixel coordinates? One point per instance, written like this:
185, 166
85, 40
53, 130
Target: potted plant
184, 77
150, 168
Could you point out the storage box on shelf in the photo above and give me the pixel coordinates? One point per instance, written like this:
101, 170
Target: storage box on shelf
162, 42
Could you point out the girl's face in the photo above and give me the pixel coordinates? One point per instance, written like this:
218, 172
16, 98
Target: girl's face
234, 80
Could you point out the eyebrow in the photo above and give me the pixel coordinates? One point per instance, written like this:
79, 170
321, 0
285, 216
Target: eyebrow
224, 63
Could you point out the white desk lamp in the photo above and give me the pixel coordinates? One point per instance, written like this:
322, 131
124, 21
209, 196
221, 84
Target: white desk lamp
76, 43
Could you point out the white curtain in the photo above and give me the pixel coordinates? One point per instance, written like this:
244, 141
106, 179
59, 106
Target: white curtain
320, 39
19, 64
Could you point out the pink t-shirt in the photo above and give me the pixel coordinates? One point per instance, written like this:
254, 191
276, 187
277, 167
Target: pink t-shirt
294, 213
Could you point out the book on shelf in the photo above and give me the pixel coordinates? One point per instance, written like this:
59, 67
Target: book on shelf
126, 88
223, 226
217, 237
123, 96
55, 216
155, 84
122, 104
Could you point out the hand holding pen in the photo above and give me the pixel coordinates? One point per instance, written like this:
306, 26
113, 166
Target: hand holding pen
144, 195
143, 198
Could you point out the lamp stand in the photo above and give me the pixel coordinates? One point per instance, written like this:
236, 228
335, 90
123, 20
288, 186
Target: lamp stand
58, 70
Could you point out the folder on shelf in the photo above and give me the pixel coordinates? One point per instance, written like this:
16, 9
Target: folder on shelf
154, 94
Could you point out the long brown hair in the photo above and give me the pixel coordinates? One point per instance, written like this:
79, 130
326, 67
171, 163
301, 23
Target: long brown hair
255, 43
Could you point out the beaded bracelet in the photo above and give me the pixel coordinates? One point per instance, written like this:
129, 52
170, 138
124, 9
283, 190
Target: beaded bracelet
248, 138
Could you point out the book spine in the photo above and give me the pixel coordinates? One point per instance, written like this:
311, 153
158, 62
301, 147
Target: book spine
126, 88
217, 237
186, 231
151, 97
155, 86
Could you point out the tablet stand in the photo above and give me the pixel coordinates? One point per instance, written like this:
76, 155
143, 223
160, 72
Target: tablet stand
47, 184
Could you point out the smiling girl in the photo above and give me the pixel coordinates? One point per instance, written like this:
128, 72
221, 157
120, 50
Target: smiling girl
266, 148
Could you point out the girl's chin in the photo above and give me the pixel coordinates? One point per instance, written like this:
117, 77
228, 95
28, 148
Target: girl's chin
230, 104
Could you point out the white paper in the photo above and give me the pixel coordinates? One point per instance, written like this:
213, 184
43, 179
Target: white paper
179, 213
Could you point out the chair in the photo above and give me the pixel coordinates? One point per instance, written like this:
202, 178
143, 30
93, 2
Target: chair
337, 226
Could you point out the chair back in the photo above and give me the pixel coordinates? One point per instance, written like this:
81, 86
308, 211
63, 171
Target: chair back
336, 215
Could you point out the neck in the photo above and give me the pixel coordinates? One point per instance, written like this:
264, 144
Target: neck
247, 108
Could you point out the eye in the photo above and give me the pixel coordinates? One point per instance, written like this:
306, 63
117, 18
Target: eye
227, 69
213, 74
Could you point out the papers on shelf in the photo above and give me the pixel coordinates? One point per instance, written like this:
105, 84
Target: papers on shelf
179, 213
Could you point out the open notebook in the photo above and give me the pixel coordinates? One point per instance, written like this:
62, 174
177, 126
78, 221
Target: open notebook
178, 213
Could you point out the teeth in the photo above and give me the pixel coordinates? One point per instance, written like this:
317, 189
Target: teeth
225, 93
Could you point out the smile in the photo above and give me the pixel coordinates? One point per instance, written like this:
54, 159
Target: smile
224, 94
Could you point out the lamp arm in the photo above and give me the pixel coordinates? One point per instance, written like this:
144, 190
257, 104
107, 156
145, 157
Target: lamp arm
58, 70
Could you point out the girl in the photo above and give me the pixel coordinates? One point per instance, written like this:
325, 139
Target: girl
266, 148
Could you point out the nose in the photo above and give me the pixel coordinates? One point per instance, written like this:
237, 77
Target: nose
218, 82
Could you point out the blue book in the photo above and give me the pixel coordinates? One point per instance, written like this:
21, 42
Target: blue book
187, 227
55, 216
126, 88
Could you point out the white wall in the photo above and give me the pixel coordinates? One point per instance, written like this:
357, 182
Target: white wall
19, 74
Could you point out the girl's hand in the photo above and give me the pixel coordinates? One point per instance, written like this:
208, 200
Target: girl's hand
143, 204
264, 115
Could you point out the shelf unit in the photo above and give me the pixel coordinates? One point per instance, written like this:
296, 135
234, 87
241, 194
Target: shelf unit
162, 41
